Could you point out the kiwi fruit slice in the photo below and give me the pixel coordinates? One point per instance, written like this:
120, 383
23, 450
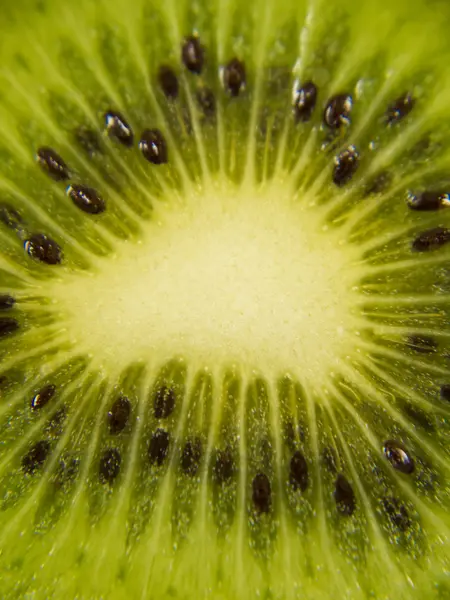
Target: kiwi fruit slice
225, 299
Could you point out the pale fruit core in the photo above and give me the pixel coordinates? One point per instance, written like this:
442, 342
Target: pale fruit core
229, 275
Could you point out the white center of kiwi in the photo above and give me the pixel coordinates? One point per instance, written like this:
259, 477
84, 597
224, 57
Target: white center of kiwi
243, 275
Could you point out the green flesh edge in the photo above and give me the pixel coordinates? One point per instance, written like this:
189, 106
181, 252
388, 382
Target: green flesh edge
274, 303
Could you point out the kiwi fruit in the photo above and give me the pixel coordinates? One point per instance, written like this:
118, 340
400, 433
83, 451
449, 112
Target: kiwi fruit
225, 299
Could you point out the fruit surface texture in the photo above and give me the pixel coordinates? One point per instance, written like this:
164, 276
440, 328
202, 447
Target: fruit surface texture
225, 300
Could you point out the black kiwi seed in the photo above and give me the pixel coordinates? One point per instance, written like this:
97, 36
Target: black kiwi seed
305, 99
234, 77
119, 414
109, 467
35, 457
399, 109
168, 82
88, 140
158, 447
261, 493
193, 54
431, 239
190, 457
445, 391
398, 456
337, 111
86, 199
298, 472
224, 465
10, 217
42, 398
8, 325
344, 496
153, 146
345, 166
397, 513
6, 301
206, 101
422, 343
52, 164
118, 128
164, 402
41, 247
429, 200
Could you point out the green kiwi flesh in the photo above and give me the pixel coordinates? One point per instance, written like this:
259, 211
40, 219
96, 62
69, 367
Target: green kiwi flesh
224, 299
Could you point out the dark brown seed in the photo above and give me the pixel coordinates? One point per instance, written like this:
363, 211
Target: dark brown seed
86, 199
344, 496
234, 77
8, 325
261, 493
40, 247
398, 456
6, 301
89, 141
397, 513
164, 402
159, 447
304, 101
190, 458
168, 82
431, 239
153, 146
119, 414
337, 111
429, 200
109, 467
42, 398
445, 391
298, 472
206, 101
224, 465
10, 217
345, 166
193, 54
52, 164
422, 343
399, 109
35, 457
379, 184
118, 128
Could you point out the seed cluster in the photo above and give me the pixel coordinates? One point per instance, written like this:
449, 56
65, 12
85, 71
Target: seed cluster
336, 118
224, 466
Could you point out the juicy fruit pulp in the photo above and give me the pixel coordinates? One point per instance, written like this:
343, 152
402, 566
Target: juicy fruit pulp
225, 301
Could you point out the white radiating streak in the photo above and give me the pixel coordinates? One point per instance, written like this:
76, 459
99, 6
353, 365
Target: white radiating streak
260, 40
165, 491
